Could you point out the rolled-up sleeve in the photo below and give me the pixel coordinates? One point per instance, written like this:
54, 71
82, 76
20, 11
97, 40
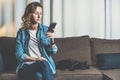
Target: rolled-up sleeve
54, 49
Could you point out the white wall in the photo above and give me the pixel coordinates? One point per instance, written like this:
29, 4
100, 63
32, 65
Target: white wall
96, 18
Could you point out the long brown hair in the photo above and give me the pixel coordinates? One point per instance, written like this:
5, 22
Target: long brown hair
26, 18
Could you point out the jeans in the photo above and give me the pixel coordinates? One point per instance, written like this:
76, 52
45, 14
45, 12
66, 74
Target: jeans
39, 70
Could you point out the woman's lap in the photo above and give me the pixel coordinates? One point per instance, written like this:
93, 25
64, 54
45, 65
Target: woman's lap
36, 71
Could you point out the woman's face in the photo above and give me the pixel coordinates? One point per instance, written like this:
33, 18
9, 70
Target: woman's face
37, 15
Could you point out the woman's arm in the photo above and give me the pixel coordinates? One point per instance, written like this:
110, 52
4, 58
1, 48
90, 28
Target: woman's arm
48, 41
20, 55
29, 58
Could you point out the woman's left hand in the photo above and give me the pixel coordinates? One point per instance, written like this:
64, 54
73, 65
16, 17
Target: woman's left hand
41, 59
50, 35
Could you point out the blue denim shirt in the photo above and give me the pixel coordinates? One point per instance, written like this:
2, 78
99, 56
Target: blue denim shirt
22, 40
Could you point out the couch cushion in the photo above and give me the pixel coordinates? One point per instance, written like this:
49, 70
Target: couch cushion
113, 74
88, 74
7, 46
104, 46
8, 76
109, 61
73, 48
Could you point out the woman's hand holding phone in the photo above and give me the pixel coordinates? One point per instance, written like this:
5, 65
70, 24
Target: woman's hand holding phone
50, 32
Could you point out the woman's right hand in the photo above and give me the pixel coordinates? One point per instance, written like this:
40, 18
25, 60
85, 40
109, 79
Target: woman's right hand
29, 58
41, 59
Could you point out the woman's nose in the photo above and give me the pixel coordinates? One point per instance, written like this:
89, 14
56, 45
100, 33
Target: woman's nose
38, 16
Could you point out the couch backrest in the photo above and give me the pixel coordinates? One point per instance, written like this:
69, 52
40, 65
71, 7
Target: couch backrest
77, 48
7, 47
104, 46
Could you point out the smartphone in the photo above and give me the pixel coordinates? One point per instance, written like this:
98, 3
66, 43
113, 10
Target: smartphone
52, 26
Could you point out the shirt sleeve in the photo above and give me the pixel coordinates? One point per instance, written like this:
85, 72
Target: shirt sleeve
20, 55
47, 43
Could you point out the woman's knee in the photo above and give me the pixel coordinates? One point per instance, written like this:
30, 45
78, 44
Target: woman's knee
38, 76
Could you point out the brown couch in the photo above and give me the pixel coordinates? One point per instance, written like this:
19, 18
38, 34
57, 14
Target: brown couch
81, 49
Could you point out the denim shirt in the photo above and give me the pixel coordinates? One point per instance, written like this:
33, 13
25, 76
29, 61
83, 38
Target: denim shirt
22, 40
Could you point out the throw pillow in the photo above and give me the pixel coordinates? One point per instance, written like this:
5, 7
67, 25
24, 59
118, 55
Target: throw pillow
1, 63
109, 61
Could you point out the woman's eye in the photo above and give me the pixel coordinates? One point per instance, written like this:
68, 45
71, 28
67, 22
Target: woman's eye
41, 13
35, 13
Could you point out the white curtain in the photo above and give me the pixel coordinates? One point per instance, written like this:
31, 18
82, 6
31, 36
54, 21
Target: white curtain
115, 18
96, 18
83, 17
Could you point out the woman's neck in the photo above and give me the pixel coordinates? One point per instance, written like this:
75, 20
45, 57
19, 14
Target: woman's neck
34, 27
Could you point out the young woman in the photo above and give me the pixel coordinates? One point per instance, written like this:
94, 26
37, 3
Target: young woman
35, 46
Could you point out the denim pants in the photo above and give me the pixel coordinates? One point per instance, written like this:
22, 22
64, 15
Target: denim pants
39, 70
